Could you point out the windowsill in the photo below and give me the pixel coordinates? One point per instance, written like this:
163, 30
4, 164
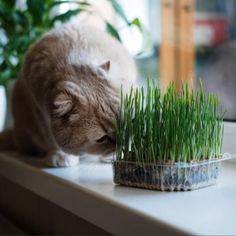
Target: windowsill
8, 228
88, 191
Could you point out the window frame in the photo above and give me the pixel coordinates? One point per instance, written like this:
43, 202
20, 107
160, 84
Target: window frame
229, 138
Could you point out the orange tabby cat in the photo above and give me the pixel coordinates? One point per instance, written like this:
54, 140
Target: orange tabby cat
67, 96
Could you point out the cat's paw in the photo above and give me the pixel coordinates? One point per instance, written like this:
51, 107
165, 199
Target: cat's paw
62, 159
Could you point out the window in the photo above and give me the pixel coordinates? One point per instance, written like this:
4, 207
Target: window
191, 39
194, 39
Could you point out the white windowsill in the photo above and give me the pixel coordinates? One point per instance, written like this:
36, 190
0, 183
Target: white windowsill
229, 142
88, 191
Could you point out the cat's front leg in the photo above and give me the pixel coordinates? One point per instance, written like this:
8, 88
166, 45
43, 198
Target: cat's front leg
59, 158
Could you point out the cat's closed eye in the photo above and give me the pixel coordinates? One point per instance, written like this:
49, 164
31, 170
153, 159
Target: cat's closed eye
103, 139
106, 139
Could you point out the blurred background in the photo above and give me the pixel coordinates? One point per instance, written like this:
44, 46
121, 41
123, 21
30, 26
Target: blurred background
170, 39
191, 40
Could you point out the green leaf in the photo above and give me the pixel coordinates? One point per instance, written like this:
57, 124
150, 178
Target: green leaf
136, 22
7, 5
112, 31
67, 15
5, 76
2, 6
119, 10
21, 20
36, 9
84, 3
10, 3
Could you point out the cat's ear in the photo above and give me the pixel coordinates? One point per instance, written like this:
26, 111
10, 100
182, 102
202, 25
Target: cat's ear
62, 104
106, 66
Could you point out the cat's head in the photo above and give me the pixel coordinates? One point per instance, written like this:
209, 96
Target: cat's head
84, 110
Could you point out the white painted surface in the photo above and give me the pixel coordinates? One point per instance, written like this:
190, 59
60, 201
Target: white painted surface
229, 141
88, 191
3, 108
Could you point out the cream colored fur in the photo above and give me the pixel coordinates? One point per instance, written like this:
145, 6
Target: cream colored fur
67, 97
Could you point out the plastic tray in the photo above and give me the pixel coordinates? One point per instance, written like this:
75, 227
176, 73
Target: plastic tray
167, 177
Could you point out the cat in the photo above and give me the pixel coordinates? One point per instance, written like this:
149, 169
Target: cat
67, 96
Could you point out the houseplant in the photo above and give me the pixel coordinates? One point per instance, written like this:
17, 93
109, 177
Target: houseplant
168, 141
23, 22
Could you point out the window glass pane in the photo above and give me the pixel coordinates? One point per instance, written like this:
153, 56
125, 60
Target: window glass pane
211, 25
191, 39
215, 24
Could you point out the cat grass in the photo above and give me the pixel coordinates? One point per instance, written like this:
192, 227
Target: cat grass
170, 127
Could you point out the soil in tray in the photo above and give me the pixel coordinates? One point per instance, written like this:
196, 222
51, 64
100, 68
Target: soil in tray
166, 177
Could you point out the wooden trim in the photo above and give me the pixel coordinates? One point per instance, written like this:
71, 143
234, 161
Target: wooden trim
177, 47
168, 43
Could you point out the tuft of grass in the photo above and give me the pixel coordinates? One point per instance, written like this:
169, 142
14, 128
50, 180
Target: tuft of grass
157, 127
